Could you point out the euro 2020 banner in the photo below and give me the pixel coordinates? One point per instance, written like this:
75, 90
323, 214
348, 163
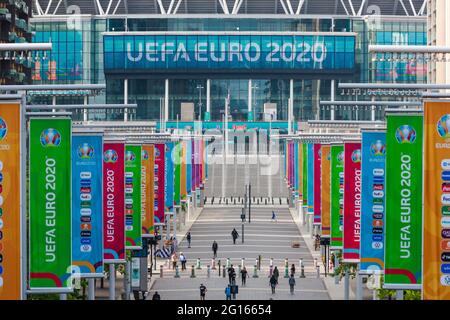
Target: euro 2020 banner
337, 196
50, 205
403, 229
373, 201
159, 183
317, 151
436, 248
169, 178
133, 197
147, 189
352, 202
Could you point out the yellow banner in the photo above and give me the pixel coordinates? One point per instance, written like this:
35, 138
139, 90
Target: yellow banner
10, 192
148, 179
436, 247
325, 192
183, 190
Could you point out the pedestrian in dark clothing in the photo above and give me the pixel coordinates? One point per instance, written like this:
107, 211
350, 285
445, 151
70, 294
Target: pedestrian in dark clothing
244, 275
293, 269
202, 292
273, 283
188, 238
292, 283
276, 274
215, 246
156, 296
183, 261
231, 275
228, 292
235, 235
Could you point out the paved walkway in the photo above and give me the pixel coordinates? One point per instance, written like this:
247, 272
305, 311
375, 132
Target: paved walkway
261, 237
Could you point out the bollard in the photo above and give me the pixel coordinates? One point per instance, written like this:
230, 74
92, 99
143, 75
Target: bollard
286, 268
198, 264
228, 263
259, 262
219, 267
256, 262
160, 271
223, 271
271, 262
315, 262
239, 269
242, 263
192, 271
208, 271
213, 264
318, 271
270, 271
255, 271
177, 272
302, 274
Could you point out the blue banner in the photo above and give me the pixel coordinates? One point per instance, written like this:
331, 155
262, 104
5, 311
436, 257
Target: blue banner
87, 204
169, 178
310, 178
373, 200
182, 53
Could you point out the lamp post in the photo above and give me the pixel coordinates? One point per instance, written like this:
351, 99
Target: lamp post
200, 88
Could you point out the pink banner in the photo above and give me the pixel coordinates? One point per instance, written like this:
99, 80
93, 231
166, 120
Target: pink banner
352, 201
159, 183
113, 202
317, 152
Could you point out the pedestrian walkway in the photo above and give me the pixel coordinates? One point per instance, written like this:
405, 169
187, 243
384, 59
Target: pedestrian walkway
270, 239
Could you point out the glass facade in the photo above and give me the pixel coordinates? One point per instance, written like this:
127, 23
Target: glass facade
79, 57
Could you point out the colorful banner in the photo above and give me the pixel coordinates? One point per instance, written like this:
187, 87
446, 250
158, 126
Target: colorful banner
403, 239
317, 186
133, 197
87, 204
11, 171
436, 221
352, 202
147, 190
193, 163
305, 174
189, 167
50, 206
372, 200
300, 170
295, 169
325, 186
168, 178
183, 172
114, 202
177, 174
337, 196
310, 178
160, 152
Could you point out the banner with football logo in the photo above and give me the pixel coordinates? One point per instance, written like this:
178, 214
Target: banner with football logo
295, 169
300, 170
310, 192
177, 174
373, 200
159, 188
183, 172
113, 202
352, 202
50, 206
11, 177
326, 188
337, 196
133, 218
87, 204
147, 190
168, 178
436, 228
317, 151
403, 222
188, 166
305, 174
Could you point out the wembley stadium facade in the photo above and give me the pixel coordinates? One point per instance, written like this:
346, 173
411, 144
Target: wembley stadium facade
181, 60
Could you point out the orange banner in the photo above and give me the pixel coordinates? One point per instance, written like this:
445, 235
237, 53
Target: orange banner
325, 191
183, 190
436, 218
148, 179
10, 192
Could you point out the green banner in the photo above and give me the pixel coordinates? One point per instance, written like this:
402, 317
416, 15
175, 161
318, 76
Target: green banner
50, 203
337, 195
305, 173
403, 238
133, 173
177, 174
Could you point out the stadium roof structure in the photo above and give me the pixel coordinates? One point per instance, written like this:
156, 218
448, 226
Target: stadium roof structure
293, 8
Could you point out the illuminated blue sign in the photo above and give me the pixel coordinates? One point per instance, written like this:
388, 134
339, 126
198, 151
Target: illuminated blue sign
232, 52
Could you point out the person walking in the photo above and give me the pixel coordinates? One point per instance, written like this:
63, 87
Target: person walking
235, 235
174, 260
203, 291
276, 273
292, 283
183, 261
317, 242
228, 292
156, 296
293, 269
244, 275
215, 246
273, 283
231, 275
274, 216
188, 238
